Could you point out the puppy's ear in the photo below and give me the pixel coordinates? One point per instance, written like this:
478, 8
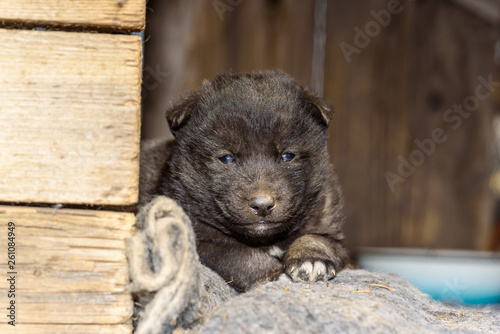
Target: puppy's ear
179, 113
320, 109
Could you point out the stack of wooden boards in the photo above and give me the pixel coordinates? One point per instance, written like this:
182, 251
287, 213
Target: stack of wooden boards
69, 134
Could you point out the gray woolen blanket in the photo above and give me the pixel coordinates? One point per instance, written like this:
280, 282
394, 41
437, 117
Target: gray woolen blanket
345, 305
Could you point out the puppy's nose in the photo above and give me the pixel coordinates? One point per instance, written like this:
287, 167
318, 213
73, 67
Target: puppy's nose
262, 205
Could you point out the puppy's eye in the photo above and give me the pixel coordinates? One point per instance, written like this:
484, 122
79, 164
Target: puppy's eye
227, 159
287, 156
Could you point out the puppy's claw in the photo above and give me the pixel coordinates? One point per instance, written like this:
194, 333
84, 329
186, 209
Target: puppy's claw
311, 272
319, 272
334, 273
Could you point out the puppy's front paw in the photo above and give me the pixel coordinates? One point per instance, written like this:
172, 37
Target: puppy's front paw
310, 271
313, 258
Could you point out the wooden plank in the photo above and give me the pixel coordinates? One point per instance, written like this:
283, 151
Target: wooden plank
451, 201
396, 90
70, 270
369, 127
65, 329
488, 10
128, 15
70, 117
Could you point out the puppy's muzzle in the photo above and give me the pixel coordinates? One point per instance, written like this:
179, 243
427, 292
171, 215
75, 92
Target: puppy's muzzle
262, 205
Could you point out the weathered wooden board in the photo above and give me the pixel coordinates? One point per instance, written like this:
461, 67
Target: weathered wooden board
72, 329
69, 117
126, 15
400, 87
488, 10
71, 272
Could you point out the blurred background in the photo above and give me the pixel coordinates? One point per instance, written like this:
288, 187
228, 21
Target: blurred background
416, 137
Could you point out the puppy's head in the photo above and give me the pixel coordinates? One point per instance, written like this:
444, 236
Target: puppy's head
250, 155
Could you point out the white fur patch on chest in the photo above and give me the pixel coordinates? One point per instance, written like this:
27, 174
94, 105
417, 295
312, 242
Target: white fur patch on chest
276, 252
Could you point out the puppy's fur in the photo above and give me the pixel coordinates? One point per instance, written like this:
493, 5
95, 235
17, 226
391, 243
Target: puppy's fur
249, 166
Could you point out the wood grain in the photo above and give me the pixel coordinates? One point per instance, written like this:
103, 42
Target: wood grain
394, 92
488, 10
65, 329
128, 15
69, 117
71, 269
456, 205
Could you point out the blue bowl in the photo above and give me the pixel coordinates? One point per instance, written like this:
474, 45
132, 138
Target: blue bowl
464, 277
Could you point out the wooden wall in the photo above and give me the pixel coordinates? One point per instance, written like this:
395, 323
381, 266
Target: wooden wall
69, 136
396, 89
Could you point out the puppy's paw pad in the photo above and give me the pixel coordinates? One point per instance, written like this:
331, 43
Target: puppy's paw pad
311, 271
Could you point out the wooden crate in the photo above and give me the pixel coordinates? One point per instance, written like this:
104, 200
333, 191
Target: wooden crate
128, 15
71, 273
70, 128
69, 117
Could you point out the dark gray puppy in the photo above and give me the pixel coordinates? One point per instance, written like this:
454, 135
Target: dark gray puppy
249, 165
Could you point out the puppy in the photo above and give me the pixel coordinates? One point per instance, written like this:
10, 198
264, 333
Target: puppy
249, 166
